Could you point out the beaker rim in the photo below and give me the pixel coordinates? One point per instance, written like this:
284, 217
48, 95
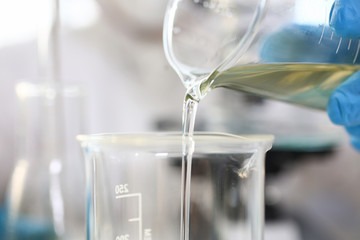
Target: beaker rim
145, 138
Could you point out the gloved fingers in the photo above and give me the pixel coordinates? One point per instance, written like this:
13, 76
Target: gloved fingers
344, 18
300, 43
305, 43
354, 131
344, 103
355, 142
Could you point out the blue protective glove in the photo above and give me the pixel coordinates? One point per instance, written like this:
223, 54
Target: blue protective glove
299, 43
344, 18
344, 107
344, 103
295, 43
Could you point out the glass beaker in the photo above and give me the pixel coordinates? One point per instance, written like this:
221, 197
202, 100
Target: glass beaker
289, 50
134, 186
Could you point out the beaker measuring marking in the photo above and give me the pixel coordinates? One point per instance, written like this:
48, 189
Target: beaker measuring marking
119, 189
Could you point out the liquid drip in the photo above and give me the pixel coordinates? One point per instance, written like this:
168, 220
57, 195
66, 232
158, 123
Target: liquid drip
189, 114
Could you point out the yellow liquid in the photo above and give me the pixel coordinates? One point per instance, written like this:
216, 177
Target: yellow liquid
303, 84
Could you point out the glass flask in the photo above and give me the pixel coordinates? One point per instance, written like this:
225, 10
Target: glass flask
47, 173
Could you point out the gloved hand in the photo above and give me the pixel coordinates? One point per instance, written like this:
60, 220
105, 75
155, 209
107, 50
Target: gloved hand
295, 43
344, 107
344, 103
344, 18
300, 43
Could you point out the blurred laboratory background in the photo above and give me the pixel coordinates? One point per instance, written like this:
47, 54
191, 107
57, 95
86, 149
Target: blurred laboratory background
115, 78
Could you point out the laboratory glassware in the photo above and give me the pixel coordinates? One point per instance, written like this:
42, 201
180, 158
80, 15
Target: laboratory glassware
281, 49
134, 185
40, 201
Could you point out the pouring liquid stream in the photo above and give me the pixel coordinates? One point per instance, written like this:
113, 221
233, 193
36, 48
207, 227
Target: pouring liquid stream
302, 84
188, 122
